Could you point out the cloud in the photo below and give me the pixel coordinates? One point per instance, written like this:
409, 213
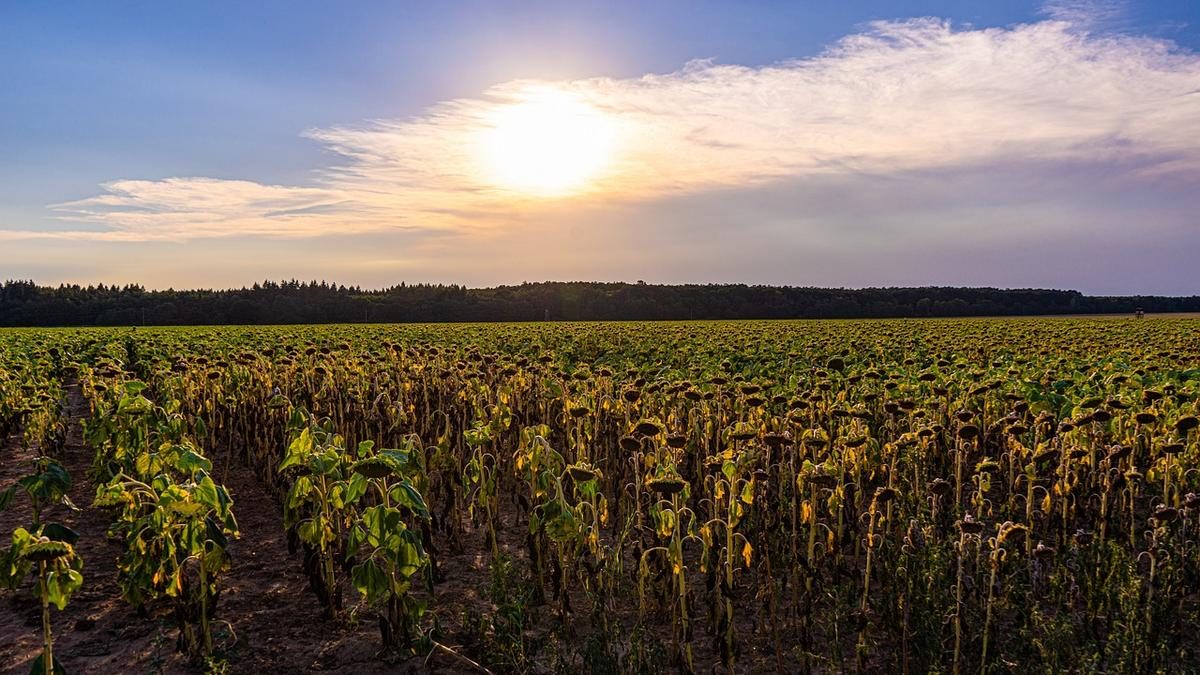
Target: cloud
185, 208
902, 96
1087, 14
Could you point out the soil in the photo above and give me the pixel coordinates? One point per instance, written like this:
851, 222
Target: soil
274, 621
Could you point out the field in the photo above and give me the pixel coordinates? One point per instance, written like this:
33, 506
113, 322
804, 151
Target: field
979, 496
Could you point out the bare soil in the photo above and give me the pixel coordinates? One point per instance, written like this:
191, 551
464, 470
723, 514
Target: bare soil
274, 624
268, 618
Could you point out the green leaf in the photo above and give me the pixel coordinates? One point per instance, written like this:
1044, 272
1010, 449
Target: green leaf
48, 485
109, 495
370, 581
185, 507
356, 487
60, 584
407, 495
337, 496
59, 532
354, 539
559, 521
215, 533
144, 464
315, 530
39, 666
401, 458
298, 450
381, 522
748, 492
13, 564
206, 493
191, 462
134, 406
729, 469
299, 492
409, 558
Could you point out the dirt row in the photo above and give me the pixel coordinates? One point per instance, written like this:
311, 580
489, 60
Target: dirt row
268, 618
274, 622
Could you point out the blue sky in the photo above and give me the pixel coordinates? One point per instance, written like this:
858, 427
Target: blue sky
214, 109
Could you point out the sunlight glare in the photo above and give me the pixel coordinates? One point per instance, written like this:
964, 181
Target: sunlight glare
550, 144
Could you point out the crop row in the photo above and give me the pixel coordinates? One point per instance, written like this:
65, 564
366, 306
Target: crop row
943, 495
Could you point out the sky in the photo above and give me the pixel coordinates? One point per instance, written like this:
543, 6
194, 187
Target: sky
819, 143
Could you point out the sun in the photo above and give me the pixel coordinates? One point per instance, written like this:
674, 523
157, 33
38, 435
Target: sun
549, 144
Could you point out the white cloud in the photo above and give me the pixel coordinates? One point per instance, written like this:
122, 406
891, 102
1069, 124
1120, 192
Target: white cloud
184, 208
901, 96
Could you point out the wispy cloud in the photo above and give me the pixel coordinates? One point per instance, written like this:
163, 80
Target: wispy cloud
901, 96
184, 208
1087, 14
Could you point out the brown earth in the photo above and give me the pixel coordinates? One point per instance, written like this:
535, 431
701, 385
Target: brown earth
275, 622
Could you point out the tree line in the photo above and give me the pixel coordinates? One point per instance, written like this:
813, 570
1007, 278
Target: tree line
24, 303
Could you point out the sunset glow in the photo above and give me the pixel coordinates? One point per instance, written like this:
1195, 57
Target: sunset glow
772, 143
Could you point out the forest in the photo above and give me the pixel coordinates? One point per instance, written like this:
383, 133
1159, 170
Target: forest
25, 303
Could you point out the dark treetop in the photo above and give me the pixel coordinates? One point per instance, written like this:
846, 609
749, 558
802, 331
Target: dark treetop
23, 303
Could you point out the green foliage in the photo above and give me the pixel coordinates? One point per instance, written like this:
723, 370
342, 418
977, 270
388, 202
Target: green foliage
321, 501
929, 496
175, 519
389, 551
44, 549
